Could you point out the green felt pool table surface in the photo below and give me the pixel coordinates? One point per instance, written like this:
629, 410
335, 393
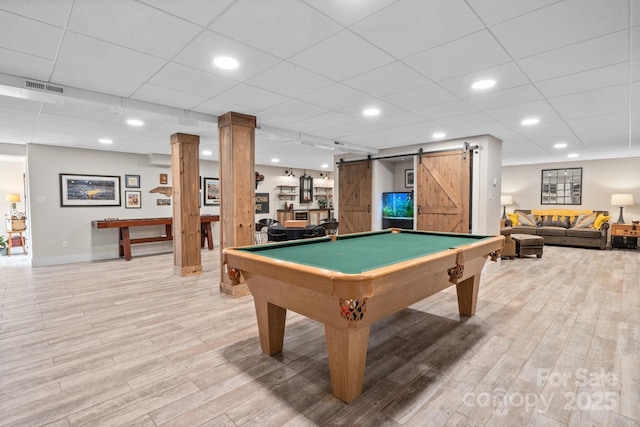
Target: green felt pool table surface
357, 253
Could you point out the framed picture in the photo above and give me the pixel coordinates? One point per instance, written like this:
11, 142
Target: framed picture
89, 190
164, 178
408, 178
211, 191
163, 202
132, 199
561, 186
132, 181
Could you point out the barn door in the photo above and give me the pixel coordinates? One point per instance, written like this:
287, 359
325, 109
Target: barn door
443, 191
354, 203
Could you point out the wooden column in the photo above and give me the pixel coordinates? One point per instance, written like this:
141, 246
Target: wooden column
186, 212
237, 190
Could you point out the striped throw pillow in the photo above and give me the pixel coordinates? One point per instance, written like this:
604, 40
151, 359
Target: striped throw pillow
526, 219
585, 221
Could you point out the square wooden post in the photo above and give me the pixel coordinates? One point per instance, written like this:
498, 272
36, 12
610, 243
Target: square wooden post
186, 212
237, 189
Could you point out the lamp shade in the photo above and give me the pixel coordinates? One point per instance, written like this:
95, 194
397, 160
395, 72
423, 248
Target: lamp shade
622, 199
12, 198
506, 200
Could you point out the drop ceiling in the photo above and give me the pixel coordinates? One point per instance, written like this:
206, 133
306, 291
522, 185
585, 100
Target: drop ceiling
308, 68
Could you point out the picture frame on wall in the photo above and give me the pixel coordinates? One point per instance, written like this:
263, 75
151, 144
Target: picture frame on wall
89, 190
409, 178
132, 199
164, 178
132, 181
211, 191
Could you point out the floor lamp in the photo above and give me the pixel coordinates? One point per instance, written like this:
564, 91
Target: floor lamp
621, 200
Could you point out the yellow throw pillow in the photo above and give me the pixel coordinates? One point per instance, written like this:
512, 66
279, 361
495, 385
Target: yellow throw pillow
514, 219
601, 219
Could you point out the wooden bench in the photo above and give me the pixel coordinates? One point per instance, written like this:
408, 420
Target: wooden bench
125, 241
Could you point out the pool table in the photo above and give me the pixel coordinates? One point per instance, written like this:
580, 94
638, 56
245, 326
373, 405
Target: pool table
347, 282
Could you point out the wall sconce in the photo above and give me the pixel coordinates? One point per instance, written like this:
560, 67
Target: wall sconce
621, 200
12, 199
505, 200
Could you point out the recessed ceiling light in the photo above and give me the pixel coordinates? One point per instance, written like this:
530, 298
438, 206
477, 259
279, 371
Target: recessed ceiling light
225, 62
560, 145
275, 160
439, 135
105, 141
207, 152
371, 111
530, 121
483, 84
135, 122
572, 155
324, 166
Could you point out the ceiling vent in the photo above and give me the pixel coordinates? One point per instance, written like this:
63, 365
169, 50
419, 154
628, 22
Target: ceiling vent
43, 87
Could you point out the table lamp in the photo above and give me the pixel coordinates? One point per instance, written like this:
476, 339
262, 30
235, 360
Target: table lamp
12, 199
505, 200
621, 200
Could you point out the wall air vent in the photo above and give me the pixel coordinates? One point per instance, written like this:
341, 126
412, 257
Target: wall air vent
44, 87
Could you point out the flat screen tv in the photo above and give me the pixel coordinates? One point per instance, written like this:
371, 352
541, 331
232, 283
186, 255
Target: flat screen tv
397, 205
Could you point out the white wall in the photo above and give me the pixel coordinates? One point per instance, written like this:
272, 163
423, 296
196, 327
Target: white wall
64, 234
600, 178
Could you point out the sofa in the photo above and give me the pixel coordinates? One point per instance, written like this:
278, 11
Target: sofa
564, 227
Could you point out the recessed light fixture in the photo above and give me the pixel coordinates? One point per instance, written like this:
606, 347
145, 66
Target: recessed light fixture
207, 152
483, 84
572, 155
324, 166
439, 135
275, 160
225, 62
530, 121
105, 141
135, 122
371, 111
560, 145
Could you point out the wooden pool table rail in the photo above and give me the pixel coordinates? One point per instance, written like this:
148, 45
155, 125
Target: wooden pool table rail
125, 241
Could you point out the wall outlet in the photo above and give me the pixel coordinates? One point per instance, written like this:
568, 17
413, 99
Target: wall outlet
65, 243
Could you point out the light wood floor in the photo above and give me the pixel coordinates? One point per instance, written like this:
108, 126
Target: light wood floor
555, 342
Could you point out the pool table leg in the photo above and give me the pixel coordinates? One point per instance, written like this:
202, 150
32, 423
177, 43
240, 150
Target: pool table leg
271, 320
347, 352
468, 295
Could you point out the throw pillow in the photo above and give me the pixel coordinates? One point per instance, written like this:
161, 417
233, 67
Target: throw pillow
585, 221
526, 219
555, 221
601, 219
514, 218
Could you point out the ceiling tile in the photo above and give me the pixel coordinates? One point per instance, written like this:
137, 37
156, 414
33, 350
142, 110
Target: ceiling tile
377, 82
446, 109
515, 113
408, 27
591, 54
202, 12
296, 110
561, 24
251, 97
196, 82
420, 97
102, 67
472, 124
25, 65
51, 12
342, 56
141, 28
348, 12
506, 97
289, 80
281, 28
471, 53
161, 95
203, 49
496, 11
592, 103
335, 96
506, 75
28, 36
588, 80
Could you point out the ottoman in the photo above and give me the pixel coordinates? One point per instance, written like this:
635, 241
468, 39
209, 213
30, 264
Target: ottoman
528, 244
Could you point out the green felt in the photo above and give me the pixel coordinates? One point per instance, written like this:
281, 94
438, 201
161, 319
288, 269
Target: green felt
356, 254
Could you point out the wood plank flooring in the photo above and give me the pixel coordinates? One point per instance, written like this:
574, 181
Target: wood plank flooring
555, 342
